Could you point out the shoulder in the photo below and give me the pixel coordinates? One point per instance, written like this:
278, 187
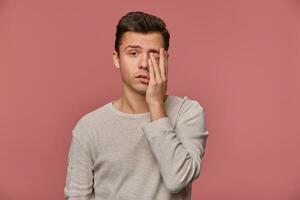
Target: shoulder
183, 102
184, 108
188, 104
192, 113
89, 120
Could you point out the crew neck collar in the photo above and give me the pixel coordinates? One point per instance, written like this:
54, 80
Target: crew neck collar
130, 115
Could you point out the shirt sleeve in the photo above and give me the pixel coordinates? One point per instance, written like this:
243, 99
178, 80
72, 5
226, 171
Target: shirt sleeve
79, 179
179, 152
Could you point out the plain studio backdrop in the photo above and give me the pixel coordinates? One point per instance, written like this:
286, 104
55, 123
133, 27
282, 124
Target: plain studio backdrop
239, 59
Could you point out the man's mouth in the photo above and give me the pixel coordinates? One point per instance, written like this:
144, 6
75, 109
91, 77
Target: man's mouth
143, 77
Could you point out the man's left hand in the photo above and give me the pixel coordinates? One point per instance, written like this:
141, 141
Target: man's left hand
157, 87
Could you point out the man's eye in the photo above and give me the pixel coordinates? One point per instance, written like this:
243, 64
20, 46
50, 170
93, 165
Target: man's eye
133, 53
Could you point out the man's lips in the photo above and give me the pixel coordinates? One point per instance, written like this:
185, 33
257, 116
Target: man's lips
144, 76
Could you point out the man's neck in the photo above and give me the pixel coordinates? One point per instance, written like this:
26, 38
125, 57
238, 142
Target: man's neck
132, 103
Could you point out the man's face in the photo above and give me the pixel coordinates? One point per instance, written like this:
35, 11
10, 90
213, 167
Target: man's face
132, 61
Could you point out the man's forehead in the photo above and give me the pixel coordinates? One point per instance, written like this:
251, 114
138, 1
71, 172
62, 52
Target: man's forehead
142, 40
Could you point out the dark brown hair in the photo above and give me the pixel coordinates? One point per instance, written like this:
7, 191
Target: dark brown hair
143, 23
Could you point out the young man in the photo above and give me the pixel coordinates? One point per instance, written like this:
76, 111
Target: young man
146, 145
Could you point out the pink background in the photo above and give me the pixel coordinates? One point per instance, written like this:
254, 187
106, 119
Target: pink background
239, 59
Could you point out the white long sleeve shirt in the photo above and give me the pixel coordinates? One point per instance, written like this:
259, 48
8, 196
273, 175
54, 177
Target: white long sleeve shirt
121, 156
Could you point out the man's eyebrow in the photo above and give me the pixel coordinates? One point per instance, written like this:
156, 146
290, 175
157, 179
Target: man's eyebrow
133, 46
139, 47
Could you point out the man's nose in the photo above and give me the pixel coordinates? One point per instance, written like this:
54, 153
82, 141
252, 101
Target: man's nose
144, 61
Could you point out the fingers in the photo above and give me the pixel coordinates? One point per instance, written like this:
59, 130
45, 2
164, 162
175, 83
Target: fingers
159, 70
162, 63
155, 68
151, 71
166, 64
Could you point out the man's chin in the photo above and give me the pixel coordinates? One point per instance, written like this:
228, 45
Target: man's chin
142, 90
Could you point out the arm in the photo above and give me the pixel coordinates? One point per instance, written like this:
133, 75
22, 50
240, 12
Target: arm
179, 152
79, 179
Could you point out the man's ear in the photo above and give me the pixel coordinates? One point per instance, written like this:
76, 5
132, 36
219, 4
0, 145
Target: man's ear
116, 59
